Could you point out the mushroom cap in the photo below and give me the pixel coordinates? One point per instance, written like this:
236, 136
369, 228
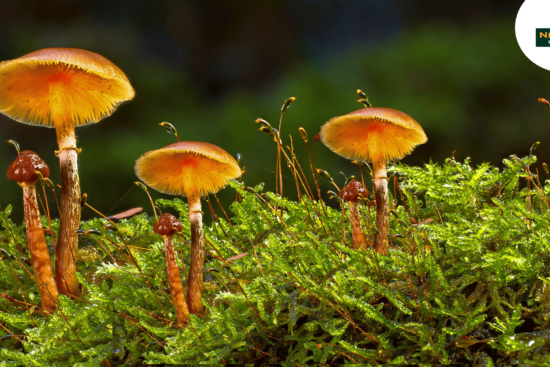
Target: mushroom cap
187, 168
167, 225
353, 190
24, 167
372, 134
95, 85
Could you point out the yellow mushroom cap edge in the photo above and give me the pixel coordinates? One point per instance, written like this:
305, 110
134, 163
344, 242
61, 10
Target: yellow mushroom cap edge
373, 133
95, 86
187, 168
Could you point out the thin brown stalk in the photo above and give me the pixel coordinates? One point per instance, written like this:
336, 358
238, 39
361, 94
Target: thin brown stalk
106, 249
71, 327
129, 318
12, 334
215, 219
224, 212
237, 280
314, 174
110, 221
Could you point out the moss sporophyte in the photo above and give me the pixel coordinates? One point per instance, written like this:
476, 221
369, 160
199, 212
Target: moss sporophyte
447, 264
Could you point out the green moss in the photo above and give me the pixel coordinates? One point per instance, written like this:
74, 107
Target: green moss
467, 280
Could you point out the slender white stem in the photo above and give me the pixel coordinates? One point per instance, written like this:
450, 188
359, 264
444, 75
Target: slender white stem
382, 207
67, 246
194, 286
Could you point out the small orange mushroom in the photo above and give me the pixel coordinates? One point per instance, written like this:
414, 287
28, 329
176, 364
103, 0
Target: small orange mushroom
377, 135
351, 193
166, 226
63, 88
23, 171
191, 169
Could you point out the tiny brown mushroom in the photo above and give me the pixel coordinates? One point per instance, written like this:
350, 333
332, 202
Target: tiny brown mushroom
351, 193
23, 171
166, 226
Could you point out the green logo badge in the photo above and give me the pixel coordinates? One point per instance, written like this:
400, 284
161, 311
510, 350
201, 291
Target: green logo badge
543, 37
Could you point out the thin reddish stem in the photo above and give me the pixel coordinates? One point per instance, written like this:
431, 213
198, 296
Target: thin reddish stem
38, 248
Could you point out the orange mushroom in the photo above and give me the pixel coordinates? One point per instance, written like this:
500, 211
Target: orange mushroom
23, 171
166, 226
377, 135
191, 169
63, 88
351, 193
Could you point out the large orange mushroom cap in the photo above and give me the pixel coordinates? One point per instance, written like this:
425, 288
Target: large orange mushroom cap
187, 168
374, 133
95, 85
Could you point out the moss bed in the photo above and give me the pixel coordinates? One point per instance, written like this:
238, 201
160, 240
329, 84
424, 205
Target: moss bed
467, 280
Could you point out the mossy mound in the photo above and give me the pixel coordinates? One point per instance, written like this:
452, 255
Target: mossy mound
467, 280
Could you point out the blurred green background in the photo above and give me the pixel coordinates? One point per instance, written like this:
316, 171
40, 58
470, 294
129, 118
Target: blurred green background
212, 67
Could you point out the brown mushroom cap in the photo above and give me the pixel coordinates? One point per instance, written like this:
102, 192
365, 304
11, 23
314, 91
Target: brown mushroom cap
187, 168
353, 190
372, 134
24, 168
167, 225
96, 86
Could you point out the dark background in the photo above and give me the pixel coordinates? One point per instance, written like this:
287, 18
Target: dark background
212, 67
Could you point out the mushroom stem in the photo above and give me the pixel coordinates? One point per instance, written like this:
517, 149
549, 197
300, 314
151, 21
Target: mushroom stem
382, 206
176, 287
357, 233
194, 284
38, 248
67, 245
